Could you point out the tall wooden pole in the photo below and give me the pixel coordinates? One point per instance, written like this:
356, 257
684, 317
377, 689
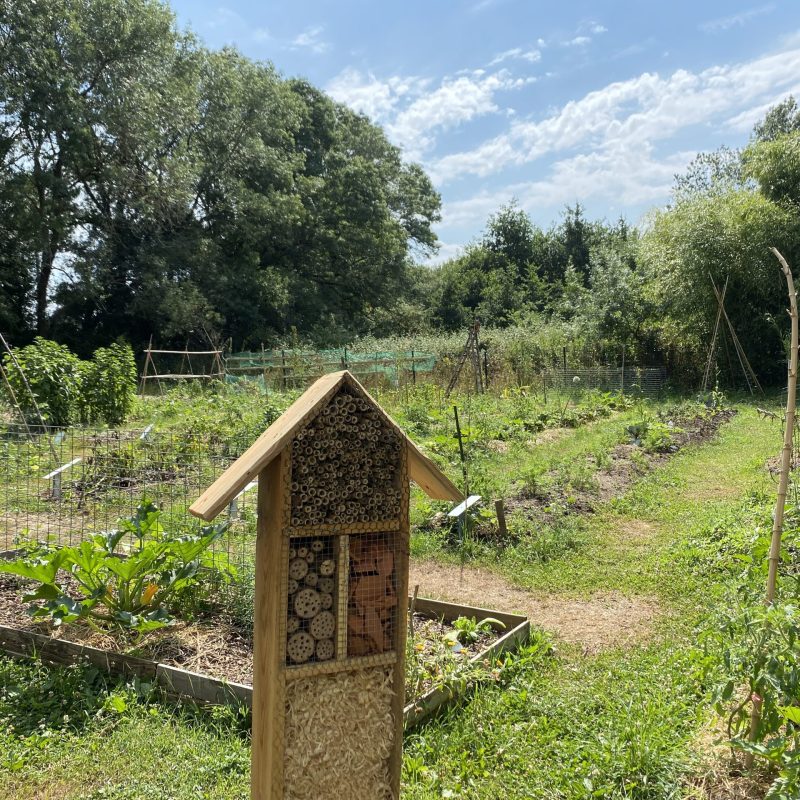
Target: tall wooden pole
786, 454
783, 482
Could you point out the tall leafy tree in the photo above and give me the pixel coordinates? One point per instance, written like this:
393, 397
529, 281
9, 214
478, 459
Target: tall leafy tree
724, 237
152, 187
80, 85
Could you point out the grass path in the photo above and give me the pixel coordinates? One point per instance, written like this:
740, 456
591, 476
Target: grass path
609, 592
621, 723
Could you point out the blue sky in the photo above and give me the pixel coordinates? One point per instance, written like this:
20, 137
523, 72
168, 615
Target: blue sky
548, 103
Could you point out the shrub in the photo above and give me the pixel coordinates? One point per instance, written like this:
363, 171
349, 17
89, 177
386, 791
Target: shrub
53, 374
108, 385
751, 653
67, 389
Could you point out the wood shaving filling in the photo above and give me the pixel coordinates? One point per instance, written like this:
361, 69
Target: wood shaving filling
339, 734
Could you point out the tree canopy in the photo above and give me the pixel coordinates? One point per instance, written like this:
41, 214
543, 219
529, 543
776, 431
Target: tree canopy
151, 186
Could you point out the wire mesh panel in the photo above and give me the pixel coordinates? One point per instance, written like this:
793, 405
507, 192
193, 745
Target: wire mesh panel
372, 594
62, 485
312, 600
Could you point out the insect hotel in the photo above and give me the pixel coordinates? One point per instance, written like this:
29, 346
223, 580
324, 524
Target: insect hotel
331, 592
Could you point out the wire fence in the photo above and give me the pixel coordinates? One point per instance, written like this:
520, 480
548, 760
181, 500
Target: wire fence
283, 369
500, 366
648, 381
64, 485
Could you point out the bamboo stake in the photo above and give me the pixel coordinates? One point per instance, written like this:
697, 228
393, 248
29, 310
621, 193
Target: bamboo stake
783, 483
786, 454
712, 351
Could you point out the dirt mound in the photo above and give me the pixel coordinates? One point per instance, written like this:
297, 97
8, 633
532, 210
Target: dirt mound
602, 621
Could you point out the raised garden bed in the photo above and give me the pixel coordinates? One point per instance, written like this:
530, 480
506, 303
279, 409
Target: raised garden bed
18, 637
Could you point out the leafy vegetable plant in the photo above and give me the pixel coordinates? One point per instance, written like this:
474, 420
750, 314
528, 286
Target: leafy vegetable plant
467, 630
97, 582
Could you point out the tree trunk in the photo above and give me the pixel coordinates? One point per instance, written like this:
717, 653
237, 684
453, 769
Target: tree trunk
42, 285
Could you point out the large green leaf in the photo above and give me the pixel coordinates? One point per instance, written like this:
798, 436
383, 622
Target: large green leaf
41, 569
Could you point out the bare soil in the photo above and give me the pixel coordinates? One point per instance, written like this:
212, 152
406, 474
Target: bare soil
211, 645
602, 621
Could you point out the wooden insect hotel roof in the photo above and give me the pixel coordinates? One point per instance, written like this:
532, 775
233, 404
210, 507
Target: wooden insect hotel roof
257, 457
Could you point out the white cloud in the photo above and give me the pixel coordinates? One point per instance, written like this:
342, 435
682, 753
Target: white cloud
531, 56
584, 34
261, 35
644, 109
736, 20
616, 176
310, 39
454, 102
368, 95
744, 121
223, 17
445, 252
413, 113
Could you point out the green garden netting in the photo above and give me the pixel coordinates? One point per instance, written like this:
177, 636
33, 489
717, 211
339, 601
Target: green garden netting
288, 367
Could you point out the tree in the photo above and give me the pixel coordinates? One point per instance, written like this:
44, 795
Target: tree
725, 237
155, 187
775, 166
779, 120
76, 80
718, 171
510, 235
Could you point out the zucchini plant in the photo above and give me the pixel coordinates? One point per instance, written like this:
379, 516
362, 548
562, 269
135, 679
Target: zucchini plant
96, 581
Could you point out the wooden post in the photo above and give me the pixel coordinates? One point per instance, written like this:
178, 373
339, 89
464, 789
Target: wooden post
411, 610
622, 378
399, 678
266, 781
501, 517
413, 369
783, 482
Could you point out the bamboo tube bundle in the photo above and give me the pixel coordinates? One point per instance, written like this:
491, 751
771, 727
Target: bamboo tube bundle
311, 590
344, 466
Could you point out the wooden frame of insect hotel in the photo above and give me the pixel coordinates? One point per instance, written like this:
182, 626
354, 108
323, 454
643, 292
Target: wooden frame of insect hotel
331, 592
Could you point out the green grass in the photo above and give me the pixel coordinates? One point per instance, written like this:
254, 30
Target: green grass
622, 724
618, 725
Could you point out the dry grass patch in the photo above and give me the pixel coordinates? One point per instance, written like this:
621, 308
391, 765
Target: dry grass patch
635, 531
719, 776
601, 621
